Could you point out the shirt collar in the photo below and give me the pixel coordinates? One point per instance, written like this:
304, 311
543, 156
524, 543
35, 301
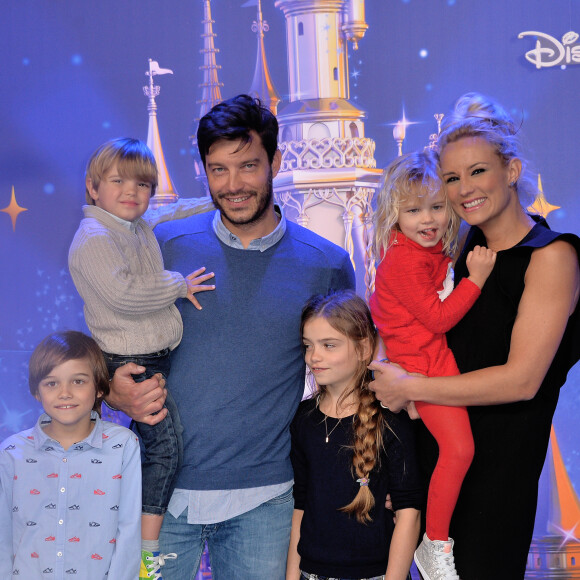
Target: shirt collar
260, 244
131, 226
42, 440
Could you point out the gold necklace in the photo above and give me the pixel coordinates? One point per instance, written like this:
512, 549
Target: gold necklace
326, 427
325, 417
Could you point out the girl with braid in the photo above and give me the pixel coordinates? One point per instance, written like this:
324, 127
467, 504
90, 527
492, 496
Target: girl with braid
414, 304
347, 453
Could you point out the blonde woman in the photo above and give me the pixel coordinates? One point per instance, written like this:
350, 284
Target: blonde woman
513, 348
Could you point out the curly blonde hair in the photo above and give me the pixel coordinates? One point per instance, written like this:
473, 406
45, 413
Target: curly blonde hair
407, 177
349, 314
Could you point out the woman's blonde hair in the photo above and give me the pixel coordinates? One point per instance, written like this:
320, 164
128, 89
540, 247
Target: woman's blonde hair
349, 314
476, 115
407, 177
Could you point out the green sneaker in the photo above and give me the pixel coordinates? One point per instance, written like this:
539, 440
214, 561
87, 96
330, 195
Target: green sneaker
151, 563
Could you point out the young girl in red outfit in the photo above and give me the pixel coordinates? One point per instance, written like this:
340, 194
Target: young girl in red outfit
413, 305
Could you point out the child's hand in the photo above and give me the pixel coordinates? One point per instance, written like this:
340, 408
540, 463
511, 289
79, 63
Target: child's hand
194, 285
480, 262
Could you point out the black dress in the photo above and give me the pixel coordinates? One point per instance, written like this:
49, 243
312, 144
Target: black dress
494, 518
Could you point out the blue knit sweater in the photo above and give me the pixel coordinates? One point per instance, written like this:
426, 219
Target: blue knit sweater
238, 374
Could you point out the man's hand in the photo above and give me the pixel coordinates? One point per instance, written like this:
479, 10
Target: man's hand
138, 400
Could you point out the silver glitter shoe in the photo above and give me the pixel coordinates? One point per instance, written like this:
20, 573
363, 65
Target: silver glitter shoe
434, 559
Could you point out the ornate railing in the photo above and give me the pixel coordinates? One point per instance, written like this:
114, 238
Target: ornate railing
355, 203
327, 153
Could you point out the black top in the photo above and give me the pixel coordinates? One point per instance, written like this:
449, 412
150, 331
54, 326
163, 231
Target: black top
494, 519
332, 543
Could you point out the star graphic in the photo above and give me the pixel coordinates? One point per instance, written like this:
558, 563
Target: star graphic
13, 210
11, 420
568, 536
541, 205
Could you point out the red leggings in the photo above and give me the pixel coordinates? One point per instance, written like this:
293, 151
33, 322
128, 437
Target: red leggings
452, 431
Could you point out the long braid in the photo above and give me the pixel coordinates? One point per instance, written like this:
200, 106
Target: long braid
368, 426
349, 314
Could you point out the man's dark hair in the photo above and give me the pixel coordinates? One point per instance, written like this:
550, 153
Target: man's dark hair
234, 119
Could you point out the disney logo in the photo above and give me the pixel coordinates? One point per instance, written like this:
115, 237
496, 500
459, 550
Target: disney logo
550, 52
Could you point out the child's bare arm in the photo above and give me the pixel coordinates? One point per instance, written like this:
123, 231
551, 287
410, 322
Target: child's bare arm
380, 350
194, 284
403, 543
480, 262
293, 562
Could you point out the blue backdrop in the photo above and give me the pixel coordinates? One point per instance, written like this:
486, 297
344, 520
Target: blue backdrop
72, 76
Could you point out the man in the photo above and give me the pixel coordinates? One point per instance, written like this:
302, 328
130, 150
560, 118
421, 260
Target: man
238, 374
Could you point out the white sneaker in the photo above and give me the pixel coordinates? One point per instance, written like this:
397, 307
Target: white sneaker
434, 559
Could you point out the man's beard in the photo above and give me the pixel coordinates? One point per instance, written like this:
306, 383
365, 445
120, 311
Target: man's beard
264, 197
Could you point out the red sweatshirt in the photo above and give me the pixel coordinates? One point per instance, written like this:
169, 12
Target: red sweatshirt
408, 312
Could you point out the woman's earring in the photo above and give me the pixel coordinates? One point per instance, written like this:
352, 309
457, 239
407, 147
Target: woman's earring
512, 183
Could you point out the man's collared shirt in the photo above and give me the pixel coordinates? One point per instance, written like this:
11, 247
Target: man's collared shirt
260, 244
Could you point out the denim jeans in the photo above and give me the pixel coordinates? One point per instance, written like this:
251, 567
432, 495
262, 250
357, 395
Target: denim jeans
306, 576
161, 444
251, 546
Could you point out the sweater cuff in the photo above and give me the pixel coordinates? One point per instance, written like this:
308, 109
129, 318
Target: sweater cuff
183, 292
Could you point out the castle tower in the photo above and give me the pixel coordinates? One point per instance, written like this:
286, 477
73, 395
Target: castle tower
262, 85
557, 554
210, 88
211, 94
328, 175
166, 192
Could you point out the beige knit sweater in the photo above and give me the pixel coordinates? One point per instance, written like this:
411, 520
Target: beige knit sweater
129, 298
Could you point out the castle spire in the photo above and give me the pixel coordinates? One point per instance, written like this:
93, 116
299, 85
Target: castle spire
557, 553
262, 85
165, 192
564, 504
211, 94
210, 87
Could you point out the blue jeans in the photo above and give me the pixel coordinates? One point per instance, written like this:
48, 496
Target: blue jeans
251, 546
161, 444
307, 576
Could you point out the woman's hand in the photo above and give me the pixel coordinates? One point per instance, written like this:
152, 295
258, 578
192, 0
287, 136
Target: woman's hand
412, 411
389, 385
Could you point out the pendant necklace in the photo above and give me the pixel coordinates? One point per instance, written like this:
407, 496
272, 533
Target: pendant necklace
326, 427
325, 417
